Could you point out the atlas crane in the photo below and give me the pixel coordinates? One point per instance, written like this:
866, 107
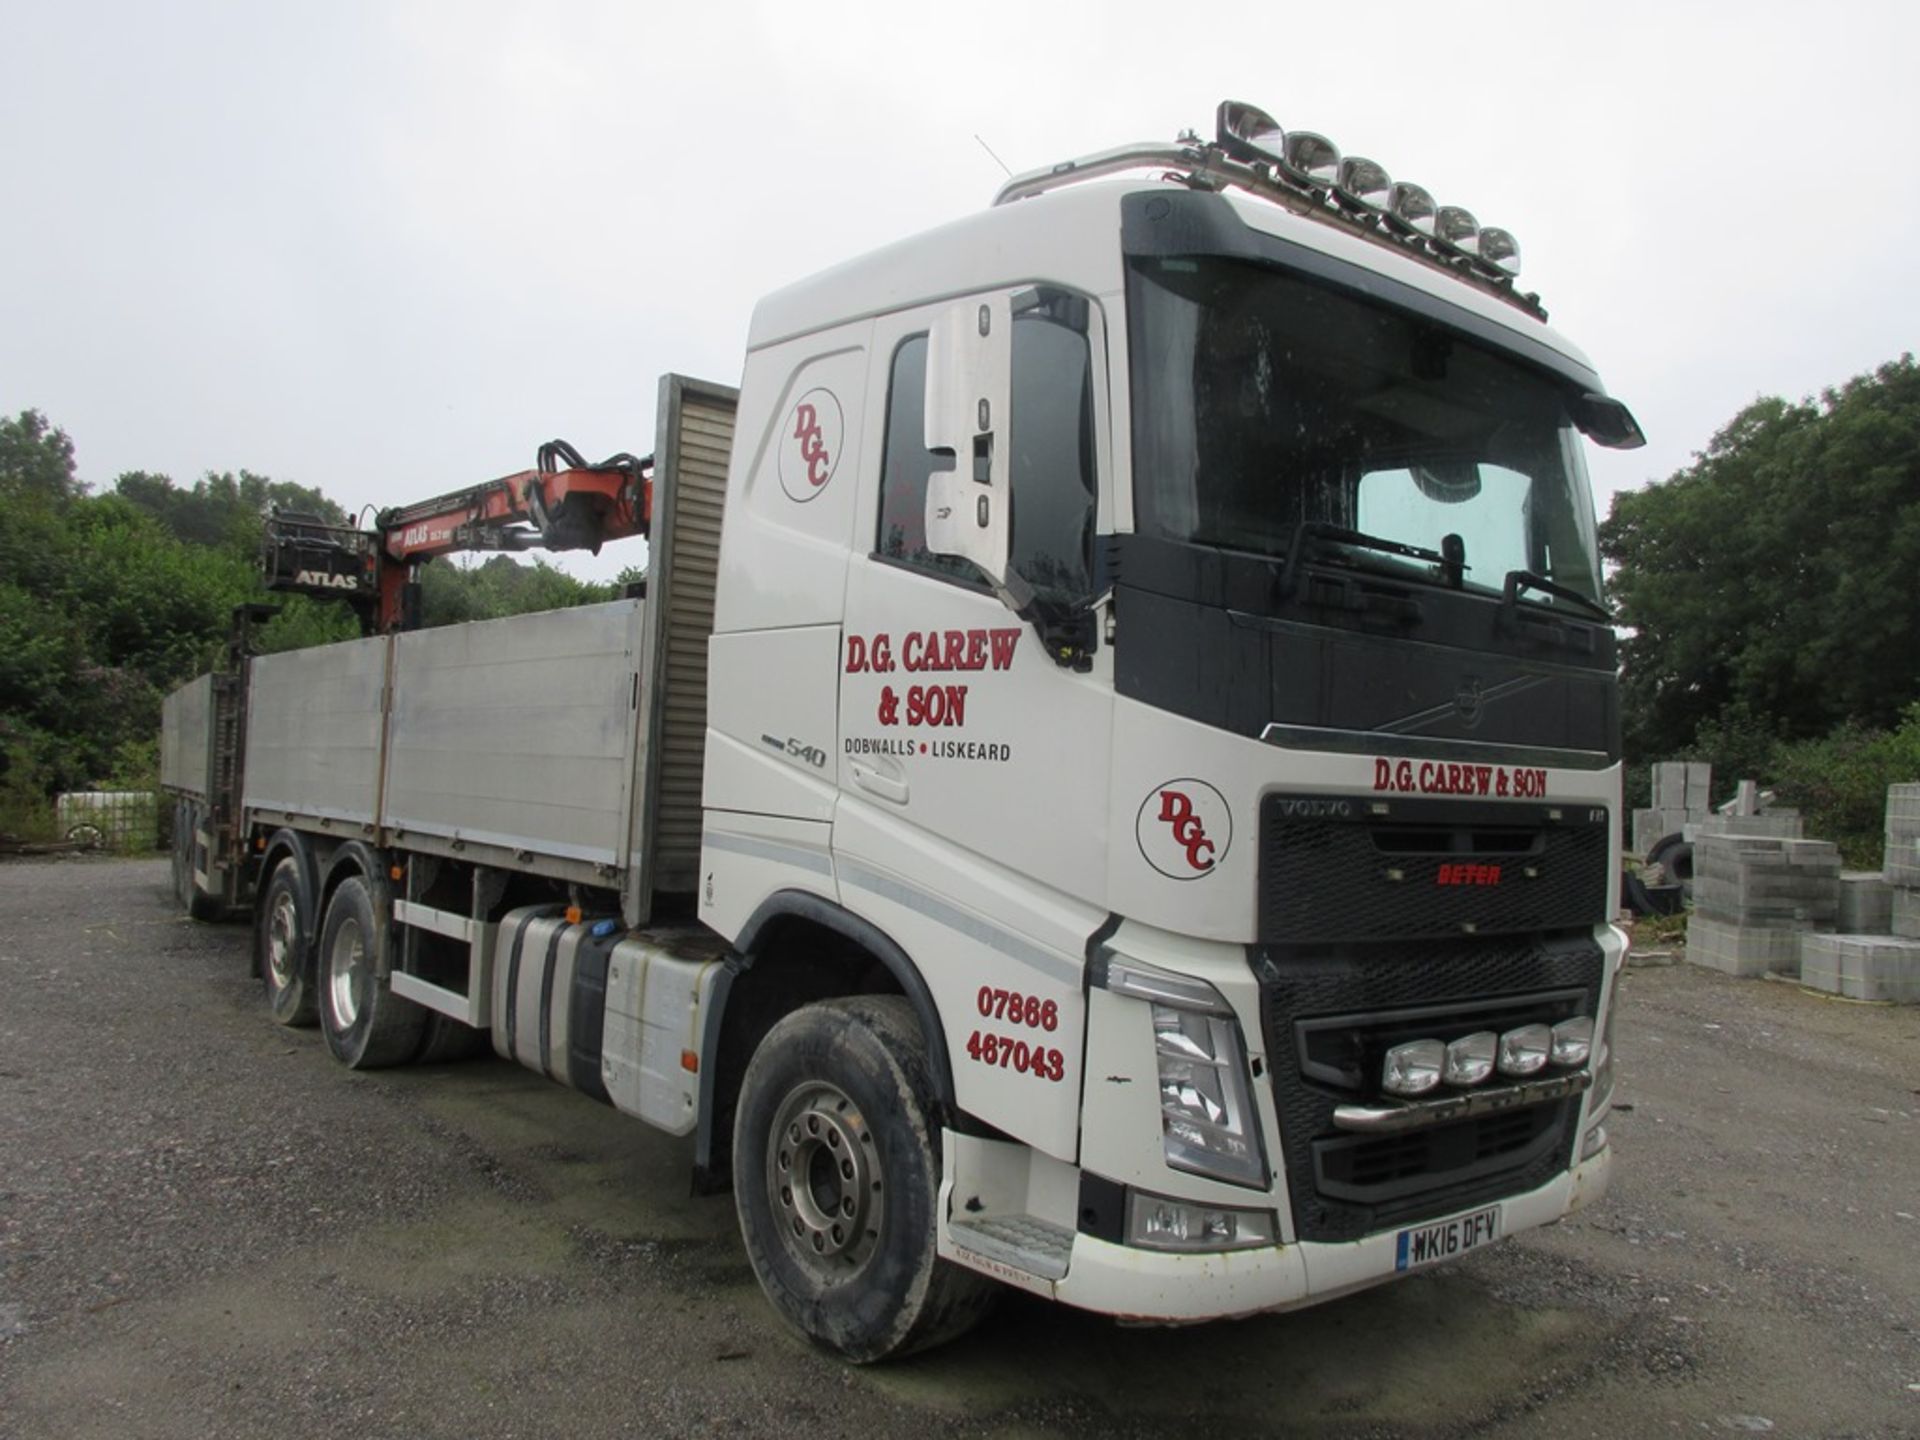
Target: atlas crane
563, 503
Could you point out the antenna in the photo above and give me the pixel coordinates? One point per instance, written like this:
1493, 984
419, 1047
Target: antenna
996, 159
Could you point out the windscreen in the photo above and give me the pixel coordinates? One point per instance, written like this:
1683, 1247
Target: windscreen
1263, 400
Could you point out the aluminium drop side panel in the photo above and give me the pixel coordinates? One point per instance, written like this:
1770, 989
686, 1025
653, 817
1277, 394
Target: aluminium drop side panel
692, 448
517, 732
314, 731
186, 740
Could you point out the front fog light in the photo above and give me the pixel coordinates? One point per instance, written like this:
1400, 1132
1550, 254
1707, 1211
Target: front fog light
1573, 1040
1413, 1068
1524, 1051
1155, 1222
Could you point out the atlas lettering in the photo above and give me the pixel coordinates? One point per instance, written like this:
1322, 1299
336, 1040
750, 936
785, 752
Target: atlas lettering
325, 581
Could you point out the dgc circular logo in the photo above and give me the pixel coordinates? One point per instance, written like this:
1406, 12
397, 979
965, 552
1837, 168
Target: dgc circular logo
810, 446
1184, 828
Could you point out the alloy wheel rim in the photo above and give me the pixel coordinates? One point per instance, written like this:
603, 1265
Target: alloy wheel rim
347, 972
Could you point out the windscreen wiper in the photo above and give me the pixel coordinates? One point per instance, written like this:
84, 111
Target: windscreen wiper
1323, 530
1518, 580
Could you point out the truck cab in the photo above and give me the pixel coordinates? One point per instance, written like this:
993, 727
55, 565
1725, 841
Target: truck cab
1166, 614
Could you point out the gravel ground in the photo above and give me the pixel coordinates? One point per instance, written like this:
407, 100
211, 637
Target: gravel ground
209, 1229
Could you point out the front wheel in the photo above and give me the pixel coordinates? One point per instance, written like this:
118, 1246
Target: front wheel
367, 1026
837, 1181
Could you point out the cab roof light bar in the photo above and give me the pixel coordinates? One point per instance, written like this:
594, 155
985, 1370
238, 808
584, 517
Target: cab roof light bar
1305, 173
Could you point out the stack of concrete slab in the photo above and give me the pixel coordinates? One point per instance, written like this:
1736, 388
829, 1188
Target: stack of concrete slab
1682, 792
1861, 967
1902, 867
1754, 896
1877, 955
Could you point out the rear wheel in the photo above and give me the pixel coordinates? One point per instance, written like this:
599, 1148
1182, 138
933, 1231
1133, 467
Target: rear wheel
366, 1025
283, 946
182, 837
837, 1181
202, 904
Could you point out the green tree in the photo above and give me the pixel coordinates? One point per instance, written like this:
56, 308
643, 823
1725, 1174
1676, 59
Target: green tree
36, 461
221, 508
1775, 582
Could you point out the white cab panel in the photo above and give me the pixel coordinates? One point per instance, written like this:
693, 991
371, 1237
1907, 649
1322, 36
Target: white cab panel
796, 464
773, 731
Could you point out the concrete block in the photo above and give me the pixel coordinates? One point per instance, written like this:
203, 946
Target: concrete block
1906, 914
1699, 786
1651, 826
1862, 967
1732, 855
1901, 862
1776, 825
1866, 904
1741, 904
1742, 949
1670, 785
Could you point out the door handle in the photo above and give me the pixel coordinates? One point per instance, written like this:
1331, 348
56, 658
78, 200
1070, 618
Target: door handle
887, 787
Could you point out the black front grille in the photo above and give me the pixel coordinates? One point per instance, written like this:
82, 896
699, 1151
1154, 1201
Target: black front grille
1332, 1012
1379, 868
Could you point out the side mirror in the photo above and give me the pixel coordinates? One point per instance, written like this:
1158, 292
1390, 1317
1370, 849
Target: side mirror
968, 404
1605, 421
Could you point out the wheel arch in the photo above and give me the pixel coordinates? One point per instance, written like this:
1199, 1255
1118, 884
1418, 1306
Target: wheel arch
795, 949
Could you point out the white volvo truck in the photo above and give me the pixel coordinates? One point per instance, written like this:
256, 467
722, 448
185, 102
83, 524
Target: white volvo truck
1112, 789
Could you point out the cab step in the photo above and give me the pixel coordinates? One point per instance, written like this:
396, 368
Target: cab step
1025, 1242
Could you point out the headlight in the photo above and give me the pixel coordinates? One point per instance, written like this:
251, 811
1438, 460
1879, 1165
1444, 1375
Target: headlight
1205, 1110
1207, 1119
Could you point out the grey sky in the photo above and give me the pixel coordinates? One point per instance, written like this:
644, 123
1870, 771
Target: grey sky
389, 249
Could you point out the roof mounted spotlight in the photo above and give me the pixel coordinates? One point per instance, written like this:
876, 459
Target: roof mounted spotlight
1310, 160
1248, 133
1456, 229
1363, 185
1411, 208
1498, 251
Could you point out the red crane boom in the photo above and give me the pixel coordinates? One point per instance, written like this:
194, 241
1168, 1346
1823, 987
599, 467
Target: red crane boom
562, 504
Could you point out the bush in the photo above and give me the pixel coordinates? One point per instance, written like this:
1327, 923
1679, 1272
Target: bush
1840, 783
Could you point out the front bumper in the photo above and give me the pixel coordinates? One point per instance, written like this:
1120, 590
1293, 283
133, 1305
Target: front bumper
1173, 1289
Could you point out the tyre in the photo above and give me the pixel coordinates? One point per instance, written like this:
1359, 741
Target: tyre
837, 1181
283, 946
85, 837
446, 1040
201, 904
182, 838
1674, 855
366, 1025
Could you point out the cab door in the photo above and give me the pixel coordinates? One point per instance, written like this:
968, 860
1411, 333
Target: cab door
973, 764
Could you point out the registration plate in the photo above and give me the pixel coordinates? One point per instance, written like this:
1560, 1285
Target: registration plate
1446, 1239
